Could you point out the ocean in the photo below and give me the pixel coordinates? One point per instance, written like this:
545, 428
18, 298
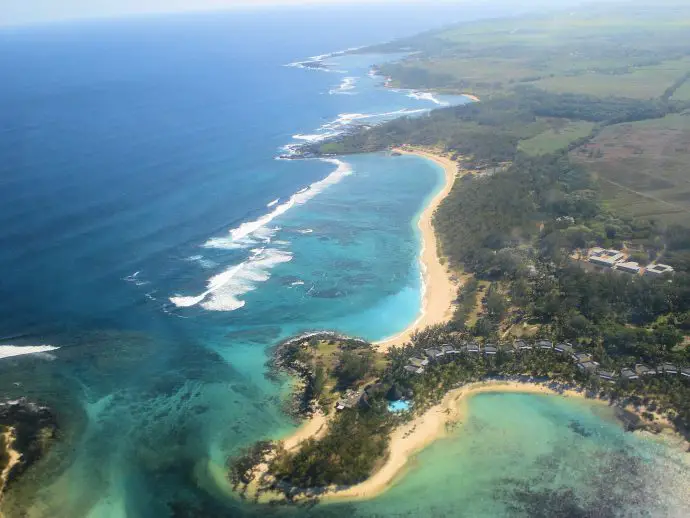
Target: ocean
155, 243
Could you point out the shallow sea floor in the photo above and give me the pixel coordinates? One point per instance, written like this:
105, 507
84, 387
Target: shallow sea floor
537, 455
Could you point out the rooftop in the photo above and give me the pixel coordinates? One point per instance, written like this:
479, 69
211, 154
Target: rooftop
629, 374
564, 348
658, 269
419, 362
587, 366
630, 267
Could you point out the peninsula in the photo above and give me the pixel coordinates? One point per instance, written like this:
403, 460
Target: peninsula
509, 303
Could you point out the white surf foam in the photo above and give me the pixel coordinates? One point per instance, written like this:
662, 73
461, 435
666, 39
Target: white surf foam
345, 88
347, 120
7, 351
261, 235
223, 291
319, 60
201, 261
427, 96
135, 279
272, 203
315, 137
241, 236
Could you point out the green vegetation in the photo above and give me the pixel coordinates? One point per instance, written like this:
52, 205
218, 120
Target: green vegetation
330, 366
581, 139
355, 442
642, 167
4, 454
683, 92
557, 137
635, 51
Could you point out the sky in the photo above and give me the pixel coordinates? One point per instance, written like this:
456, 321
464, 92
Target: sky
20, 12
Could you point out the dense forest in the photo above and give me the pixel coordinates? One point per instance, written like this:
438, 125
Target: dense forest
488, 133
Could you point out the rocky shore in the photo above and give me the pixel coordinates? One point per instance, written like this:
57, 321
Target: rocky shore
27, 430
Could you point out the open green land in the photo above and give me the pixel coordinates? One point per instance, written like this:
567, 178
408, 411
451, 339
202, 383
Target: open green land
561, 133
632, 52
683, 92
581, 139
640, 82
644, 167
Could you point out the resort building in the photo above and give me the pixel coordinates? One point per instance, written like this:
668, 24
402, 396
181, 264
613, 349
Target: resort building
414, 370
521, 345
434, 354
473, 347
448, 350
669, 368
606, 258
564, 347
629, 374
685, 371
607, 375
349, 400
544, 344
658, 269
644, 370
490, 349
629, 267
588, 366
419, 362
582, 357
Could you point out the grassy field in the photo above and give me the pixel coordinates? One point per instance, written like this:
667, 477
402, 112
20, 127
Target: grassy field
683, 93
604, 50
644, 167
557, 137
639, 83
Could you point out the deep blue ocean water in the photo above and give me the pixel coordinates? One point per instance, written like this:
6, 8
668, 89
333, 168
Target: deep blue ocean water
148, 231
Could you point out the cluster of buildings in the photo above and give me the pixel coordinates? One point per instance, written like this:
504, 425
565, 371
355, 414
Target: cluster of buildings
617, 260
584, 361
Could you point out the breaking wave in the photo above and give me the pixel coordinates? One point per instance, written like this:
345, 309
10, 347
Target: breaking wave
223, 291
316, 62
345, 87
247, 233
7, 351
427, 96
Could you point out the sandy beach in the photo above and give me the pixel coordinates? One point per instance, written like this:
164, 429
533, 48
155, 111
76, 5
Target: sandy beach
14, 458
409, 439
413, 437
440, 288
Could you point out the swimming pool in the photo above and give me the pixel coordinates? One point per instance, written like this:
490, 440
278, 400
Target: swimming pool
399, 406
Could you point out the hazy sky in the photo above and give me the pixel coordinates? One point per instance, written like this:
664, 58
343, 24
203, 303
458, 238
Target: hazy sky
13, 12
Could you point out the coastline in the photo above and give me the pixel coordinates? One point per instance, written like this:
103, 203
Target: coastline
14, 458
440, 288
409, 439
434, 424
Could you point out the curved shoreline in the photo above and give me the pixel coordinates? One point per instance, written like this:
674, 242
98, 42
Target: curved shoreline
439, 287
14, 458
409, 439
413, 437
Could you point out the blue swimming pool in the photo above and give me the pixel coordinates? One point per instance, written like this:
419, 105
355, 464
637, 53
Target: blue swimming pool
399, 406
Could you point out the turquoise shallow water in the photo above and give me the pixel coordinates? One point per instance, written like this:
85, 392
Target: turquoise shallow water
533, 455
134, 155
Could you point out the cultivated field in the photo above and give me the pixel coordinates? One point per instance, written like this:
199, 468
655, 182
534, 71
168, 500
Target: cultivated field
644, 167
559, 136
